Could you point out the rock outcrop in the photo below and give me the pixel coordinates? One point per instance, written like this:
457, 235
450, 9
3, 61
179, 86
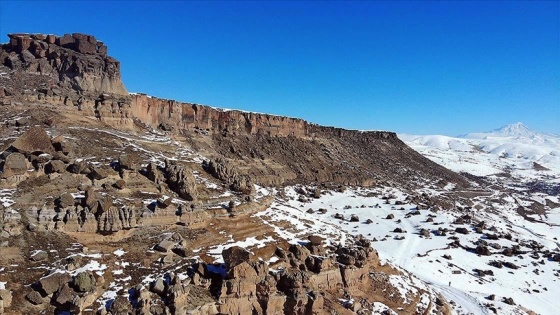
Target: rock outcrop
75, 64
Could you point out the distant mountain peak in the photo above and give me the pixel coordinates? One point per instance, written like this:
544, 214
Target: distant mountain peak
517, 129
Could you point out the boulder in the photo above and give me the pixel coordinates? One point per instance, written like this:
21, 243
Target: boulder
225, 171
235, 255
55, 166
34, 298
33, 140
462, 230
316, 240
39, 255
129, 162
79, 167
84, 282
165, 246
483, 250
181, 180
121, 306
65, 295
99, 173
120, 184
65, 200
53, 282
158, 286
15, 164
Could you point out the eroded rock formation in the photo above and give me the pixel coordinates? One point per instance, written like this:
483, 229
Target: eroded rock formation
73, 63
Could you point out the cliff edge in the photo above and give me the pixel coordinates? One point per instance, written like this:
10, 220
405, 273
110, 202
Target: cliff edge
73, 66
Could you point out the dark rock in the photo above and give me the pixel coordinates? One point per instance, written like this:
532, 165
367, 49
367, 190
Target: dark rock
483, 250
510, 265
235, 255
317, 193
508, 301
354, 218
390, 216
462, 230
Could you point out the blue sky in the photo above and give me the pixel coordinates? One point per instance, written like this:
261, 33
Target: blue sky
412, 67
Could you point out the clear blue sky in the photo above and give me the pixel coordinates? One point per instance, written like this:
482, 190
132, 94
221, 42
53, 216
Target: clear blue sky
413, 67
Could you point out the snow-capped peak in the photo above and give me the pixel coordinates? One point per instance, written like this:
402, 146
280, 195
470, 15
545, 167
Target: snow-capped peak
515, 130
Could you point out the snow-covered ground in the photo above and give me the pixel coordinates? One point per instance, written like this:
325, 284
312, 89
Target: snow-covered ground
513, 149
534, 286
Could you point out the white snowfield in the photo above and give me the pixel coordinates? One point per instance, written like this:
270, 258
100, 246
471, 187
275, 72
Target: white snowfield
512, 148
534, 286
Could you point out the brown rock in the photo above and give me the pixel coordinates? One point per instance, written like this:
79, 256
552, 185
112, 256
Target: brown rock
34, 298
64, 295
55, 166
121, 306
34, 140
316, 240
120, 184
99, 173
130, 161
15, 164
85, 47
65, 200
65, 41
235, 255
53, 282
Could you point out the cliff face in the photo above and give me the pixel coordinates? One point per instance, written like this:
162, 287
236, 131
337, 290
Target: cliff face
70, 65
179, 116
275, 150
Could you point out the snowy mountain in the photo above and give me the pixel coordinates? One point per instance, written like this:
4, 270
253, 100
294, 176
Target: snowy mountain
513, 149
517, 129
